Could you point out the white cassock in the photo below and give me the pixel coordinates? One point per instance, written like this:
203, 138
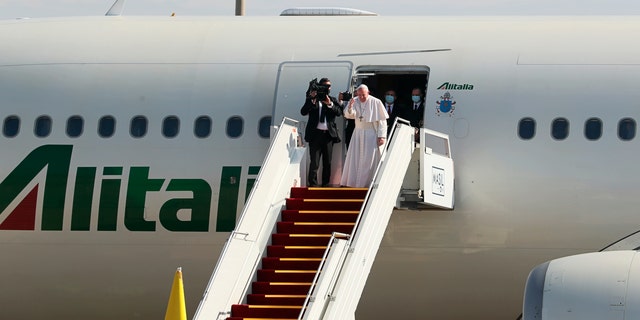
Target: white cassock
364, 154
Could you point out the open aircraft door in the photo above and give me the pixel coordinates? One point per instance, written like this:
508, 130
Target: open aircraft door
293, 81
437, 175
291, 86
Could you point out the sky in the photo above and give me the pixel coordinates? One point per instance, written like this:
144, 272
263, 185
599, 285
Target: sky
10, 9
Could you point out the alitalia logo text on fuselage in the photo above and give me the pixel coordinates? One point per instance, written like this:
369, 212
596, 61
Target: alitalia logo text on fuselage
455, 86
56, 159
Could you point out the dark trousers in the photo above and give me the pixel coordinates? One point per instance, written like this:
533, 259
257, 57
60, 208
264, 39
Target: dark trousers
320, 147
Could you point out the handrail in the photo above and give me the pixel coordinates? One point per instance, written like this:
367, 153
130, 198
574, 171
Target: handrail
243, 249
334, 236
270, 154
375, 175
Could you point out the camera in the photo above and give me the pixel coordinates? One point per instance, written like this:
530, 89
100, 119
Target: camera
346, 96
321, 90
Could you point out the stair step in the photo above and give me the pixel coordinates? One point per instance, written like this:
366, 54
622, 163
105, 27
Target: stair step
329, 193
243, 318
286, 239
315, 227
260, 287
296, 251
276, 299
291, 263
320, 216
324, 204
270, 275
265, 311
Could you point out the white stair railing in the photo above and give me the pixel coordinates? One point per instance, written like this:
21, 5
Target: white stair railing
244, 248
324, 282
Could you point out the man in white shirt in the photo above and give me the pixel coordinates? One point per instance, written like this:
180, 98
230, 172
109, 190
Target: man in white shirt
321, 132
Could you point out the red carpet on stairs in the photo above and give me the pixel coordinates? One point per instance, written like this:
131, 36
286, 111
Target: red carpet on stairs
296, 250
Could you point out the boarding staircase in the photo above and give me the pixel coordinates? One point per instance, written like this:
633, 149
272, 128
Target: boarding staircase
297, 250
304, 253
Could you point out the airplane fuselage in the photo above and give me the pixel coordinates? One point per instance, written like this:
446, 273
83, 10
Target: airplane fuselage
93, 225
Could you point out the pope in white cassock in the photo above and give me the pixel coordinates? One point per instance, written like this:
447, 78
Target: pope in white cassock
369, 134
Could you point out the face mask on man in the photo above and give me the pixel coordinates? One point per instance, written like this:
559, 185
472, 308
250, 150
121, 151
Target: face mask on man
415, 98
389, 98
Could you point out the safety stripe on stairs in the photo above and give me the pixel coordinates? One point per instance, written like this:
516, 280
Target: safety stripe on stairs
329, 211
332, 200
324, 223
285, 296
305, 247
344, 189
243, 318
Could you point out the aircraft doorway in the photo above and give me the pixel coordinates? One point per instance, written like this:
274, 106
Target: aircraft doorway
401, 79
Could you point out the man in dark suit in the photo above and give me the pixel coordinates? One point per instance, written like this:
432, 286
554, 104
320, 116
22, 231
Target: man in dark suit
321, 132
394, 109
415, 113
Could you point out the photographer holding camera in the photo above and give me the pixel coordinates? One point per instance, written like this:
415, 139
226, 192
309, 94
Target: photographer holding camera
321, 132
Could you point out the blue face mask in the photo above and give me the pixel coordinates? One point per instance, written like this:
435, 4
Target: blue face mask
389, 98
415, 98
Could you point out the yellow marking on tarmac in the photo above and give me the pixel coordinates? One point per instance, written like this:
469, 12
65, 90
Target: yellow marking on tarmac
290, 283
300, 259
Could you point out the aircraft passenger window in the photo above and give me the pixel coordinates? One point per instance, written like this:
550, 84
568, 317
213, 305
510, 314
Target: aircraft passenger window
11, 126
560, 128
74, 126
627, 129
202, 128
264, 127
43, 126
527, 128
235, 126
106, 126
138, 126
170, 126
593, 129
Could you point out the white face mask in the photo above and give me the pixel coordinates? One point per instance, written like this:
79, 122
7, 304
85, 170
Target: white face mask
415, 98
389, 98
